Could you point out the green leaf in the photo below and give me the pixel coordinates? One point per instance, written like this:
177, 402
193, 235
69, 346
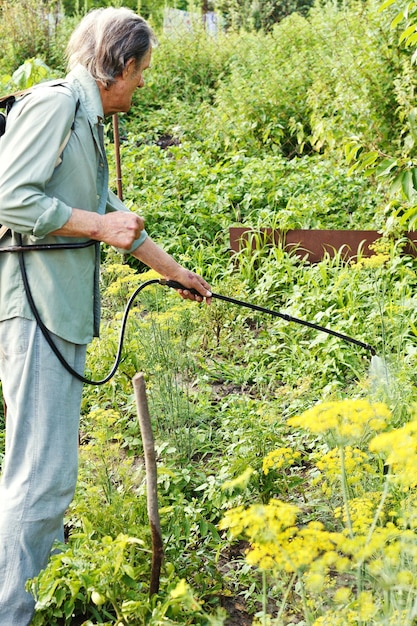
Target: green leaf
405, 35
369, 158
385, 167
397, 19
386, 4
407, 184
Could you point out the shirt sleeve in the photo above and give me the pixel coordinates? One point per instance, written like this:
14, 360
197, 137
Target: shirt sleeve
36, 127
115, 204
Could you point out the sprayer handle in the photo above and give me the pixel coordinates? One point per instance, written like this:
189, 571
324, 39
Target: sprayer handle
175, 285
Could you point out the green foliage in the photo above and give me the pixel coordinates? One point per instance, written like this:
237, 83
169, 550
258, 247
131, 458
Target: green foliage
32, 29
307, 85
186, 69
187, 199
151, 10
247, 15
93, 578
353, 90
395, 166
26, 75
260, 103
221, 384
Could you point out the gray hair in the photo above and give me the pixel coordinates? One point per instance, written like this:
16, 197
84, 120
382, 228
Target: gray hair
106, 39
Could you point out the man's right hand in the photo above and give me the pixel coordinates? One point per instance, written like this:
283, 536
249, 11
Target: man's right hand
119, 228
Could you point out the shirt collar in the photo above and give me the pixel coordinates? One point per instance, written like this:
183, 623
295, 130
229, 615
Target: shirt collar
88, 92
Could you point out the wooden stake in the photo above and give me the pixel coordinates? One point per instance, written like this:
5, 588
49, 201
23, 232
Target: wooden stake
151, 479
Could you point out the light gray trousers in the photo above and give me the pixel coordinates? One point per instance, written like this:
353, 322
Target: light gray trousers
40, 466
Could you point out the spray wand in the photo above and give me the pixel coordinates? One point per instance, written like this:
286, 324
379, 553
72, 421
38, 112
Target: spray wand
288, 318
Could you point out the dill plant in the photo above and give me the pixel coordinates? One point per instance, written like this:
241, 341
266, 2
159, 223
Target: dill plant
359, 566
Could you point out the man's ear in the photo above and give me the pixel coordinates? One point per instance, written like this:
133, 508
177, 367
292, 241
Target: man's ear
129, 68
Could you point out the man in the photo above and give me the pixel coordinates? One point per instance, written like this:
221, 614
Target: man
52, 196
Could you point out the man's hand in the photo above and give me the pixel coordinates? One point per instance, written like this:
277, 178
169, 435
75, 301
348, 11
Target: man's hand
192, 281
153, 256
119, 229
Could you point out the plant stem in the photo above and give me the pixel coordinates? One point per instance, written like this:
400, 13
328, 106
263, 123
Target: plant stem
286, 594
264, 597
345, 490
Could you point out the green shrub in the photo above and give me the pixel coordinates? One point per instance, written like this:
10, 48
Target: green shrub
30, 29
355, 65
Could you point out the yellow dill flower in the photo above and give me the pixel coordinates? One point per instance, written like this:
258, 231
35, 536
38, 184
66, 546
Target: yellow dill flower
384, 541
279, 458
276, 542
148, 275
122, 277
366, 605
356, 465
260, 520
342, 595
400, 448
307, 545
408, 516
168, 319
314, 581
104, 417
381, 249
376, 567
337, 618
361, 512
405, 578
360, 610
372, 262
346, 420
399, 617
119, 270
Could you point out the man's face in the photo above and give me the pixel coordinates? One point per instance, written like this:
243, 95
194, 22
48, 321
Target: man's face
118, 98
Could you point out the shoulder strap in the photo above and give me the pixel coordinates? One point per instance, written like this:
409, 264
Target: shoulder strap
66, 138
3, 231
6, 102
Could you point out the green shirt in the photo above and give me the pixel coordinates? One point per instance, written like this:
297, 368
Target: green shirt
37, 197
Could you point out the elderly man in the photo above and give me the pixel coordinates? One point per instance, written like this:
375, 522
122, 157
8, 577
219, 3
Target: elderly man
50, 195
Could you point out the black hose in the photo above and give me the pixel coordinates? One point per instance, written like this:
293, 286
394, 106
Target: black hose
174, 285
51, 342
